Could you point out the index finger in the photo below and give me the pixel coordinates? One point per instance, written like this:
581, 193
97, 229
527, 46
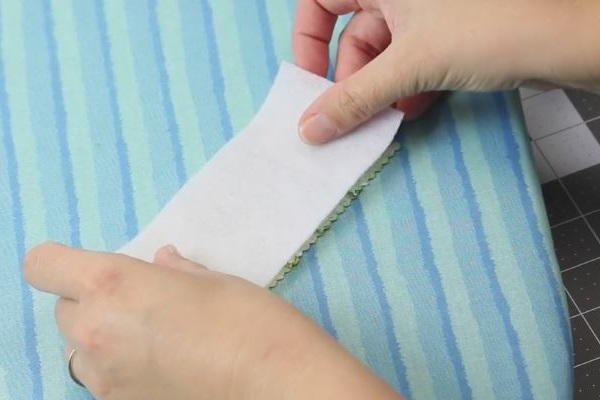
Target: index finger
313, 27
57, 269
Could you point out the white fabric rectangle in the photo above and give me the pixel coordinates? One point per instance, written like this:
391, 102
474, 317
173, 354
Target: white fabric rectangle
258, 200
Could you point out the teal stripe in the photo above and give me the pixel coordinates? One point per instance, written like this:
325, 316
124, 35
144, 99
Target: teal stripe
196, 30
426, 300
16, 299
507, 263
337, 286
298, 289
267, 39
173, 129
55, 382
514, 114
27, 209
547, 269
48, 121
280, 22
358, 267
49, 115
522, 243
384, 305
433, 272
43, 122
548, 262
458, 287
127, 103
110, 171
78, 124
395, 285
50, 350
291, 7
132, 210
165, 159
30, 165
217, 77
314, 267
489, 276
252, 46
237, 90
61, 127
4, 388
187, 116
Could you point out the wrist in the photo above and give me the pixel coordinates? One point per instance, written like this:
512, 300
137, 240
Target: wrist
296, 360
333, 373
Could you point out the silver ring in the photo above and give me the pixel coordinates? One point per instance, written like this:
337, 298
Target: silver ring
70, 367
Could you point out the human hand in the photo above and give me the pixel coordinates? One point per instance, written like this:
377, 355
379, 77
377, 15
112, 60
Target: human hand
392, 49
175, 330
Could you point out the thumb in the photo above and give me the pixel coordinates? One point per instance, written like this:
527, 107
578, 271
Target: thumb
168, 256
354, 100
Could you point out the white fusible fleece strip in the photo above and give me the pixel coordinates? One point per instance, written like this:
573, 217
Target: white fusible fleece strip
263, 195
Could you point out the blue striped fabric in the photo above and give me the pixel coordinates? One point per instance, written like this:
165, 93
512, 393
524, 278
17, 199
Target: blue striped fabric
441, 277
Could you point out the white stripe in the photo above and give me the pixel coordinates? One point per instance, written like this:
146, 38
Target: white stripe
463, 320
237, 90
78, 126
133, 127
281, 28
32, 200
183, 102
13, 53
508, 269
4, 391
328, 254
406, 328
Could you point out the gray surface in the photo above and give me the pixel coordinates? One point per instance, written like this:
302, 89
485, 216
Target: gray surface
564, 128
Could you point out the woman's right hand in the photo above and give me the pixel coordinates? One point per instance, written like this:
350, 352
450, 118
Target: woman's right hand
175, 330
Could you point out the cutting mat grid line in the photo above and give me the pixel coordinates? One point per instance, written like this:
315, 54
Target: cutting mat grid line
564, 129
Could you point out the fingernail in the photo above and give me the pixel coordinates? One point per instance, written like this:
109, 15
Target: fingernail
318, 129
171, 250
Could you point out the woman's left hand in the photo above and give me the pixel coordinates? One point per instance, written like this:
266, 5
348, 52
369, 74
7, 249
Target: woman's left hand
175, 330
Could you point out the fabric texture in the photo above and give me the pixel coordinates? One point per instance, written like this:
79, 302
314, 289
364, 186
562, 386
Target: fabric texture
440, 277
256, 204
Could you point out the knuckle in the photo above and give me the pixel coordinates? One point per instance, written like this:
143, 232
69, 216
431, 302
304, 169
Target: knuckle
106, 280
101, 387
426, 69
353, 104
353, 41
346, 39
104, 388
91, 337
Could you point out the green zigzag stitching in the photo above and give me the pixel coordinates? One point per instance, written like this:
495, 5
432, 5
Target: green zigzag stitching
352, 194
